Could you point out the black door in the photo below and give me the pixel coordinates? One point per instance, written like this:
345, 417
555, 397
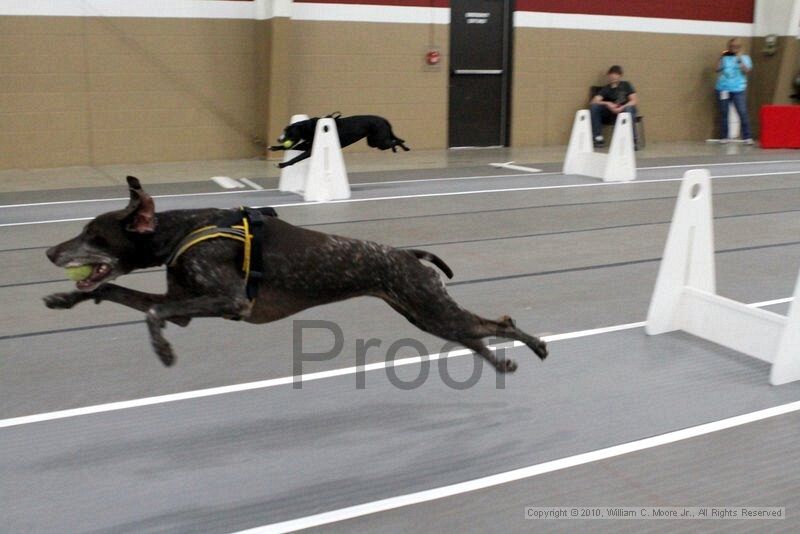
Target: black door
480, 44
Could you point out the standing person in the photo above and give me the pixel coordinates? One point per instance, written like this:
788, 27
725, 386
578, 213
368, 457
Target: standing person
733, 68
613, 99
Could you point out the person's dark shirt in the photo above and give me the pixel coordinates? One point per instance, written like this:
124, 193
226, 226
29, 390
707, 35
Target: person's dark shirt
619, 94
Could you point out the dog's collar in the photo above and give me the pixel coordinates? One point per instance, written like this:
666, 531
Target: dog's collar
249, 233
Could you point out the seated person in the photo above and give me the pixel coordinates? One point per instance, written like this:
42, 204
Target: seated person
614, 98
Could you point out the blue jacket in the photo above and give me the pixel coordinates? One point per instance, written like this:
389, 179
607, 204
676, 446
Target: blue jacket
731, 78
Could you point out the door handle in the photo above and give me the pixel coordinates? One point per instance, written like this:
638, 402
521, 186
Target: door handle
478, 71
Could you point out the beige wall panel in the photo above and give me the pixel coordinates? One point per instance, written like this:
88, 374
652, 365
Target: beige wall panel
366, 81
155, 45
169, 63
35, 102
192, 84
57, 61
41, 148
375, 69
168, 26
772, 80
39, 44
343, 38
136, 89
43, 121
165, 144
322, 99
159, 136
41, 25
138, 100
789, 68
42, 83
104, 120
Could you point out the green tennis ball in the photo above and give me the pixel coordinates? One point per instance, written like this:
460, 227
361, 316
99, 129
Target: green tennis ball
82, 272
287, 144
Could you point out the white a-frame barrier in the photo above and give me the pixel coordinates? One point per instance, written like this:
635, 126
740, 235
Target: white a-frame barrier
327, 177
322, 176
685, 296
619, 165
293, 177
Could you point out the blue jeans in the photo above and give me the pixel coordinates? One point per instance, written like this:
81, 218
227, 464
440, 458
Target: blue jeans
739, 100
602, 115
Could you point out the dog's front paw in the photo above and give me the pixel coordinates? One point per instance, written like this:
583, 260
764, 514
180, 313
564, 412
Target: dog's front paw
62, 301
505, 366
540, 348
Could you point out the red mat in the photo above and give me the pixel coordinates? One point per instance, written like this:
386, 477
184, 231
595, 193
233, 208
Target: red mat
780, 127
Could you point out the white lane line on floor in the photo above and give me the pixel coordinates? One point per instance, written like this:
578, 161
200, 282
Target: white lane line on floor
424, 195
79, 219
383, 505
513, 167
251, 184
262, 384
226, 182
719, 164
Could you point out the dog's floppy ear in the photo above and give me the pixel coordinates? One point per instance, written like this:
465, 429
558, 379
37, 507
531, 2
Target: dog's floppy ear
141, 209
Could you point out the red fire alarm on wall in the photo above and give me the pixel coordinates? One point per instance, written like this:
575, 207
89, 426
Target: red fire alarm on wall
432, 57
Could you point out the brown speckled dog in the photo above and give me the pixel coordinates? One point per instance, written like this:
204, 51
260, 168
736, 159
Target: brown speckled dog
301, 269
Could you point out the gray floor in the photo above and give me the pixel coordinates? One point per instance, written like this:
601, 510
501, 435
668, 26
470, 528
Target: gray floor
558, 253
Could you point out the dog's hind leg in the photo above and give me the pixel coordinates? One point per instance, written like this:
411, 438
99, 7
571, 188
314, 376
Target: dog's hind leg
505, 327
439, 315
503, 365
206, 306
397, 142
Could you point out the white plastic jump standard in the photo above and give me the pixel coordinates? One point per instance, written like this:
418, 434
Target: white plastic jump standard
685, 296
619, 165
327, 177
293, 177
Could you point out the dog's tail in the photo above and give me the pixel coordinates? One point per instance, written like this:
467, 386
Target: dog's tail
434, 259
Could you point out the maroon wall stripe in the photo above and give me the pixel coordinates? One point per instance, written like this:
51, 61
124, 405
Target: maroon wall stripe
393, 3
718, 11
725, 11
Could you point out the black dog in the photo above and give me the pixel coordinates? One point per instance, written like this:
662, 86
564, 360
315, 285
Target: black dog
376, 129
299, 269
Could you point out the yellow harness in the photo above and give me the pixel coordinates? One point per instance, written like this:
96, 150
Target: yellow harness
251, 264
240, 232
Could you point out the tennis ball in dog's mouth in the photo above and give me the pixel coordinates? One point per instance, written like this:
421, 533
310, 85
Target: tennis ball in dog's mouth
287, 144
81, 272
